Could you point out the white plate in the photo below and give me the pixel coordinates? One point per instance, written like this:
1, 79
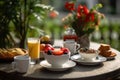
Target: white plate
94, 61
65, 66
110, 58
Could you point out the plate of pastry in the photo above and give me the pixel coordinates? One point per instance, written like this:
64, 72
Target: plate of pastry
105, 50
7, 55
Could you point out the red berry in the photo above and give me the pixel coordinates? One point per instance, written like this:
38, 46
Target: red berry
48, 45
65, 50
57, 52
47, 48
52, 48
49, 52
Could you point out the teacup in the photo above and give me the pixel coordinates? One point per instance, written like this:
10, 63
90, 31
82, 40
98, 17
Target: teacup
72, 46
21, 63
89, 54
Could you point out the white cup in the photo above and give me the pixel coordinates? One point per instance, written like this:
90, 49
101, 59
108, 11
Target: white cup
72, 46
21, 63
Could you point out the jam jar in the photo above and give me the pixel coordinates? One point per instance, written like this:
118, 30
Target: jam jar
70, 34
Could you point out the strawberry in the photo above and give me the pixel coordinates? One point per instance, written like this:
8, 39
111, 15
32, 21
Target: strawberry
48, 47
57, 52
65, 50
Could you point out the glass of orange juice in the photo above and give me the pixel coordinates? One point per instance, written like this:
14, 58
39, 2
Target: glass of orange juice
34, 49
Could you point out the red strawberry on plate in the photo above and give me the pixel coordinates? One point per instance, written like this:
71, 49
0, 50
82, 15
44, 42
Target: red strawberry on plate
57, 52
48, 47
65, 50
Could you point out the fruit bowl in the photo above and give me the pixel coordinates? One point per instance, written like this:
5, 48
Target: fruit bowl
56, 56
56, 61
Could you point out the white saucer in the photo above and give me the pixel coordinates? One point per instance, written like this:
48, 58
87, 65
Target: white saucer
110, 58
94, 61
65, 66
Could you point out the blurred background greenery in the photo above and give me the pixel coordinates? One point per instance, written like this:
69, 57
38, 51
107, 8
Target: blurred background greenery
24, 18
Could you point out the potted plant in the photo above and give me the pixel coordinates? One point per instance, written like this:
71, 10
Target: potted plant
16, 17
82, 20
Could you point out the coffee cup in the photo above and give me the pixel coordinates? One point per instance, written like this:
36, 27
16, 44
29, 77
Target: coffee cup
72, 46
88, 54
21, 63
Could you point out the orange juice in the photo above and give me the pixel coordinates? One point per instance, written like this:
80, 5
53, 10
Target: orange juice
34, 48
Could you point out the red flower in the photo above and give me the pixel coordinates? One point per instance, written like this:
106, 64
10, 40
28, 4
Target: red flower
80, 7
82, 19
79, 10
82, 10
90, 17
69, 6
85, 10
78, 15
53, 14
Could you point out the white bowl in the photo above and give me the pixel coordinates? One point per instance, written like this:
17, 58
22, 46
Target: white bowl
89, 56
57, 61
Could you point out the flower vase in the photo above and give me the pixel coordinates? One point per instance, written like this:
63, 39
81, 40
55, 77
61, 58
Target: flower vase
84, 41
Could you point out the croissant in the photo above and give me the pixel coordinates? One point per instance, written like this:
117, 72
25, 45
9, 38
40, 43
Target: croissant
10, 53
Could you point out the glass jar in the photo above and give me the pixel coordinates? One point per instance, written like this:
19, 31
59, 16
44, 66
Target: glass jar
70, 34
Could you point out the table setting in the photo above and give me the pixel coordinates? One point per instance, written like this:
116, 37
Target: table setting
60, 57
76, 43
72, 57
69, 64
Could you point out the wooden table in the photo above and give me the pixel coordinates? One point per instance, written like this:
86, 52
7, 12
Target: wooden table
107, 70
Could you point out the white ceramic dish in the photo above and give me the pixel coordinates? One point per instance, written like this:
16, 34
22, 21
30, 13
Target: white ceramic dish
57, 60
94, 61
90, 55
110, 58
65, 66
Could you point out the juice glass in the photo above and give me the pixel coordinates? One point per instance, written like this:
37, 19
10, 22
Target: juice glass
34, 49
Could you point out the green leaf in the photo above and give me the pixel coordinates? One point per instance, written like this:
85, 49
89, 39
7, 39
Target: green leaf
90, 30
44, 7
97, 6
